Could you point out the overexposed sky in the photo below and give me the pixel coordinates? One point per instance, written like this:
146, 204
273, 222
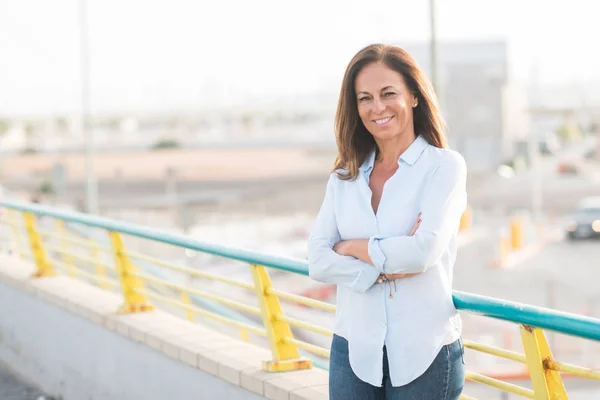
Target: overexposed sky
169, 54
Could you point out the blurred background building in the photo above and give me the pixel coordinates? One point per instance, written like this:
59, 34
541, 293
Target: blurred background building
485, 107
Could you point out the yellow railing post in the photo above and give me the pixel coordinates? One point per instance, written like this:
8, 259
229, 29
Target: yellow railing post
547, 383
244, 335
16, 237
44, 268
185, 297
100, 270
466, 220
285, 354
130, 284
516, 233
64, 246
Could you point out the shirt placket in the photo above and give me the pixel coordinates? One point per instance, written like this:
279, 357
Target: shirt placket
380, 318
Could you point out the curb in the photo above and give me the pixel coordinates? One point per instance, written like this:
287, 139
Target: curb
518, 257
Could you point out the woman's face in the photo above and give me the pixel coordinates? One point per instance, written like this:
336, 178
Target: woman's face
385, 104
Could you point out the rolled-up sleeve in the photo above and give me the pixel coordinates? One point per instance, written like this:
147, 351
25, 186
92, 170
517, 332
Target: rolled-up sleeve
444, 201
324, 264
375, 252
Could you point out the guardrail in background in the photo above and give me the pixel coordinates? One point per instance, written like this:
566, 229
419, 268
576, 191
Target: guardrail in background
137, 287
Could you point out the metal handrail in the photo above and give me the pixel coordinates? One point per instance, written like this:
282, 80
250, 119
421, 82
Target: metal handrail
249, 256
276, 325
539, 317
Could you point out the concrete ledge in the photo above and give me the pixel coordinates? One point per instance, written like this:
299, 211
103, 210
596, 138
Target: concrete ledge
190, 344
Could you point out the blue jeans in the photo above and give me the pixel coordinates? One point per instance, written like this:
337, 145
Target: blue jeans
443, 380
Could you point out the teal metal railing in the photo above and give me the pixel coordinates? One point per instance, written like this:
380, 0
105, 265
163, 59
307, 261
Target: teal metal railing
544, 370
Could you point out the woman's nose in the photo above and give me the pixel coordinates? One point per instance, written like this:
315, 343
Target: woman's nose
378, 105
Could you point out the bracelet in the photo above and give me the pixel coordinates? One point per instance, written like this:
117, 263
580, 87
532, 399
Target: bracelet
382, 279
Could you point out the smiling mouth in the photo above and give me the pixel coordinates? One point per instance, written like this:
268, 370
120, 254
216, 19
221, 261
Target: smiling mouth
382, 121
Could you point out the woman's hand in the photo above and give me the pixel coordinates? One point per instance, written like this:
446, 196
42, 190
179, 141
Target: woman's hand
343, 247
391, 277
357, 248
416, 225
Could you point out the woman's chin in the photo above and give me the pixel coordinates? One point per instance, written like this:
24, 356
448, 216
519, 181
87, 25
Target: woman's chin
384, 134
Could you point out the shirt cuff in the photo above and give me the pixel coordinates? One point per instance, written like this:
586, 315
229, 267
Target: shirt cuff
367, 278
375, 253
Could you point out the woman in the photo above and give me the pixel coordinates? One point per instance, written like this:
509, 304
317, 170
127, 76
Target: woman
386, 235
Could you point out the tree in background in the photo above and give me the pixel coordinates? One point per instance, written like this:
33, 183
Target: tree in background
4, 126
569, 132
29, 132
62, 125
166, 143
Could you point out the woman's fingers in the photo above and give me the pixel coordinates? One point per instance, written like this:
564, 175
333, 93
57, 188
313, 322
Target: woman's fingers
414, 229
416, 225
391, 277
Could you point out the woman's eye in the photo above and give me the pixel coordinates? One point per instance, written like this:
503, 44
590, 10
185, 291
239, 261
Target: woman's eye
388, 94
363, 98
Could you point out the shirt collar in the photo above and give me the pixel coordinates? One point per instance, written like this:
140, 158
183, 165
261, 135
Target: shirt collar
414, 151
410, 155
367, 165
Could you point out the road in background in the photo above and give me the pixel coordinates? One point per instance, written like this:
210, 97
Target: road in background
207, 177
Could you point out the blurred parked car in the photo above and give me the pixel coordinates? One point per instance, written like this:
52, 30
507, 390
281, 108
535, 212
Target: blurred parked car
549, 144
568, 167
505, 171
585, 219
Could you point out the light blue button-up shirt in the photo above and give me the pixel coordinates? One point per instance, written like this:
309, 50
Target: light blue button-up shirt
421, 318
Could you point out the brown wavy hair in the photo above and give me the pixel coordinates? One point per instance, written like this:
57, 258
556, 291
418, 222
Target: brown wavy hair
354, 142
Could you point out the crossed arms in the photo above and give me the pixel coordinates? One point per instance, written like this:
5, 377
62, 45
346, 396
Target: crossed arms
358, 263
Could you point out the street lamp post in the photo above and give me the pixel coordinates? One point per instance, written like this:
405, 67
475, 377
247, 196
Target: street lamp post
91, 189
534, 152
433, 48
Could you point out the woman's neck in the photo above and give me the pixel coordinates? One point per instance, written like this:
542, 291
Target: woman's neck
389, 151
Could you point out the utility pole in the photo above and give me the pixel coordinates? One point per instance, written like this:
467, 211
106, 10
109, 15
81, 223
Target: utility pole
91, 186
534, 153
433, 49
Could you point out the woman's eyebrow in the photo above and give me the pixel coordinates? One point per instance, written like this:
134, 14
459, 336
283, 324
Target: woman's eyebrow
381, 90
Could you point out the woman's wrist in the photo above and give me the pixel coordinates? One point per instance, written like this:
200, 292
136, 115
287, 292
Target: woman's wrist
352, 247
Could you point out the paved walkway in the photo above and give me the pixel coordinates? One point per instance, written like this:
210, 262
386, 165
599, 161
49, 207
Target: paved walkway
13, 389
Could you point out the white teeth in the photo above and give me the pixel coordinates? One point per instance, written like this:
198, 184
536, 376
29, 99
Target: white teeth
382, 121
